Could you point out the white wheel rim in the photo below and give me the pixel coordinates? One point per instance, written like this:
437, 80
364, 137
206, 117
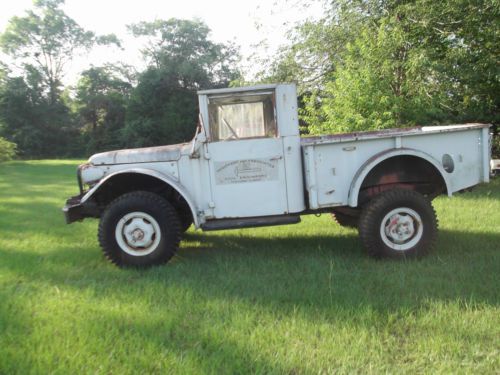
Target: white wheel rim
138, 233
401, 228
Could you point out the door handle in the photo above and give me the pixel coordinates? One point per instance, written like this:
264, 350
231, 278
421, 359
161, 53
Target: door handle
279, 157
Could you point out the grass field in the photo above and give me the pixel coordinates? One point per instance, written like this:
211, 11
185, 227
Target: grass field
287, 300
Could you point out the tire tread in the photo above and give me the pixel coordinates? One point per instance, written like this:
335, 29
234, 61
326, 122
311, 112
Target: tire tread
155, 201
369, 220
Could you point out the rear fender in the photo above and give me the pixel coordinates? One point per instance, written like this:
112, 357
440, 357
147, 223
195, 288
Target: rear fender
371, 163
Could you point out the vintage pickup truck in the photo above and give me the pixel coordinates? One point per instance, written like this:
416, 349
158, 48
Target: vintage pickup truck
248, 166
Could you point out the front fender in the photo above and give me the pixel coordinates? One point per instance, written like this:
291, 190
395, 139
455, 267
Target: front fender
160, 176
371, 163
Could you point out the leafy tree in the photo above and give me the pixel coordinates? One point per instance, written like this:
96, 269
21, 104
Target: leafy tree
182, 49
27, 118
101, 99
462, 37
7, 150
46, 40
371, 64
382, 82
163, 108
34, 109
160, 111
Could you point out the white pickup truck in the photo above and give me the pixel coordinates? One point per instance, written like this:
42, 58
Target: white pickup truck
247, 166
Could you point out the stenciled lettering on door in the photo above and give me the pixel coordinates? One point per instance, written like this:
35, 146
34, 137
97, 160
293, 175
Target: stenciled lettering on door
240, 171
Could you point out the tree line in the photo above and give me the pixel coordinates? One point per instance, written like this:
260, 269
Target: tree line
366, 64
111, 106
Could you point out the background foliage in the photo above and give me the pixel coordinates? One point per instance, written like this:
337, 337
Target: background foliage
366, 64
7, 150
371, 64
110, 106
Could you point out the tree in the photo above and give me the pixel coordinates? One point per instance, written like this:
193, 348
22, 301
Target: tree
39, 129
462, 37
46, 40
385, 80
182, 49
7, 150
101, 99
163, 108
371, 64
160, 111
34, 110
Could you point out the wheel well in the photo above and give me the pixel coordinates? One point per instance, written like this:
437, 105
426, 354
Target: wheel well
402, 172
128, 182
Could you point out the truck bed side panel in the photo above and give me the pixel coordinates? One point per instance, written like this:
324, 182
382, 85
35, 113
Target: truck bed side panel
331, 168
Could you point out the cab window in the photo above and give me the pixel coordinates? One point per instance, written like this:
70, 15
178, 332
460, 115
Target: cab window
243, 116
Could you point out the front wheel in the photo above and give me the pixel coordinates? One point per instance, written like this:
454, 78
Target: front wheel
139, 229
398, 224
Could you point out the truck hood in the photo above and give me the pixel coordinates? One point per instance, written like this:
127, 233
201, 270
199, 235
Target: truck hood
138, 155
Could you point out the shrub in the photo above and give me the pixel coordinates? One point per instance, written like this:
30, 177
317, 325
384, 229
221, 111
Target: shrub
7, 150
495, 147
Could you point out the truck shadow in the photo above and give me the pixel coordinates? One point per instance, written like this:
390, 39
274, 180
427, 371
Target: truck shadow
321, 279
317, 271
314, 264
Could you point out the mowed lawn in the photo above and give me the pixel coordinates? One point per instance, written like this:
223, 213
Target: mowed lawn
300, 299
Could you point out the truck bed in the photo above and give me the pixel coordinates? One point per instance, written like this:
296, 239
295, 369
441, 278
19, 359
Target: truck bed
460, 152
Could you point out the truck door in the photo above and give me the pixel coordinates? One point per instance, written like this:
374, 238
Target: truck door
245, 156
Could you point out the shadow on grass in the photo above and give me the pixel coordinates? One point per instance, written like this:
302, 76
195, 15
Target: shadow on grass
481, 191
316, 271
323, 278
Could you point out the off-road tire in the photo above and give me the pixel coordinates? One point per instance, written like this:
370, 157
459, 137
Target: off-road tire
156, 207
344, 220
373, 228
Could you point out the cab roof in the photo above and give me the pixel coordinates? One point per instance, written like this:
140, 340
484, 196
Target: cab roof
238, 89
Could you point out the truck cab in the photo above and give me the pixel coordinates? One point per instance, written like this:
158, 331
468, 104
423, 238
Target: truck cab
252, 152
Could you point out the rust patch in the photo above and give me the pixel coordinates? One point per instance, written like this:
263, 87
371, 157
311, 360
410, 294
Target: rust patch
377, 189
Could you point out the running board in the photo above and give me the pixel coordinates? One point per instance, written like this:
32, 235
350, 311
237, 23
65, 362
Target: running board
250, 222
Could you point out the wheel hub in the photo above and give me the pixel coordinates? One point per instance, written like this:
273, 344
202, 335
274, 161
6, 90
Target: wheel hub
401, 228
138, 233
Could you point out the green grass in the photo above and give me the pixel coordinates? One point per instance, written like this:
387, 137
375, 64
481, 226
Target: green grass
285, 300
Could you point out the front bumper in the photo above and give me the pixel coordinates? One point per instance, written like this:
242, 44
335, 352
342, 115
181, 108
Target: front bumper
75, 210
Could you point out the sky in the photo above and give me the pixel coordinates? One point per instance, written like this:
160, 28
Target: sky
229, 20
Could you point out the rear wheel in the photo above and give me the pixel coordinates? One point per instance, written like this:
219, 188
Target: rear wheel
139, 229
398, 224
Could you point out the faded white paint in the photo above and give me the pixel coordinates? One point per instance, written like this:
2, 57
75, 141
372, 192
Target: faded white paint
138, 155
272, 175
336, 167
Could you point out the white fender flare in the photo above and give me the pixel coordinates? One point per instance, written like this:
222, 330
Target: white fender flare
160, 176
371, 163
